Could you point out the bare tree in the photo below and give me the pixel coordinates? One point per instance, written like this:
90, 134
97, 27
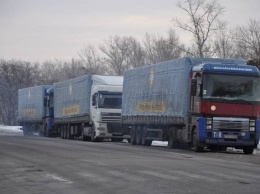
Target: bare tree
121, 53
247, 40
159, 48
14, 75
224, 46
202, 21
91, 61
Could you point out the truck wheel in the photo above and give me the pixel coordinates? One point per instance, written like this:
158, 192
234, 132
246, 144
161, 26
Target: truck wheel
25, 132
92, 136
145, 142
69, 135
47, 133
83, 137
214, 148
248, 150
132, 135
41, 133
195, 143
62, 133
173, 141
138, 135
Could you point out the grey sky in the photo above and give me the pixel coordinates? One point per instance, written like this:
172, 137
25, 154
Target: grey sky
39, 30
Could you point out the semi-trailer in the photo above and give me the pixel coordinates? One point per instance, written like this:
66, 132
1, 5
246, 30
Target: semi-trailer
32, 111
200, 102
88, 107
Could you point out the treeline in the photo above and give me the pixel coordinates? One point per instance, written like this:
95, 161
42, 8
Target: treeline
116, 54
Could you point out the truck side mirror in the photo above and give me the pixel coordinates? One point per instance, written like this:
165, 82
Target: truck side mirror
45, 101
94, 99
193, 90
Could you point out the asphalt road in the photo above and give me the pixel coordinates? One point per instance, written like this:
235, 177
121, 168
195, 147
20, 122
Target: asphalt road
53, 165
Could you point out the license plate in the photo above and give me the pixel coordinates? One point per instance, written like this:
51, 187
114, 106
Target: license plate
230, 136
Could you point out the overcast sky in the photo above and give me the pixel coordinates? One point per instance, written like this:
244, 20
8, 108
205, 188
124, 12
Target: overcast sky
39, 30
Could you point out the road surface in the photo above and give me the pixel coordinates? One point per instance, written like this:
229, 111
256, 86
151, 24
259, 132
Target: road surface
53, 165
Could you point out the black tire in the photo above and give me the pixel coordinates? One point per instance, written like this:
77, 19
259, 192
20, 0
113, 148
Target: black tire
41, 131
173, 141
214, 148
83, 137
248, 150
25, 132
116, 139
62, 133
47, 133
92, 136
132, 135
138, 135
195, 144
223, 148
145, 142
65, 132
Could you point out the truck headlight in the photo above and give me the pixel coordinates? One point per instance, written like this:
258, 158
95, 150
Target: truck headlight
251, 128
251, 125
209, 123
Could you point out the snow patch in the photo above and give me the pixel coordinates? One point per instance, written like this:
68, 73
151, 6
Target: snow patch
10, 128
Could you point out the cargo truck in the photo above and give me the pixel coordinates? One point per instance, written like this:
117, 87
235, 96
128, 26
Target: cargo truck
33, 113
88, 107
199, 102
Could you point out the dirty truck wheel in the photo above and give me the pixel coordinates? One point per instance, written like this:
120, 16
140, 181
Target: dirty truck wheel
138, 135
132, 134
195, 143
145, 142
173, 141
248, 150
93, 133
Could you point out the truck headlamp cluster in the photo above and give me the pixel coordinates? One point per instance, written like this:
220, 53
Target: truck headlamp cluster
209, 123
252, 125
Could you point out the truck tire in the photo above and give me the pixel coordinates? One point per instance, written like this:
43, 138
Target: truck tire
145, 142
62, 132
83, 137
41, 131
25, 132
195, 143
138, 135
173, 141
132, 135
47, 133
92, 135
248, 150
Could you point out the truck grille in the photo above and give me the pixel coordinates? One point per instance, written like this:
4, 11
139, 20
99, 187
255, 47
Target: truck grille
233, 124
111, 117
114, 128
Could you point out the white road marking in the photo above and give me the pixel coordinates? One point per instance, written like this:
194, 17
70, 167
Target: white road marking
228, 176
94, 177
194, 176
55, 177
157, 174
126, 176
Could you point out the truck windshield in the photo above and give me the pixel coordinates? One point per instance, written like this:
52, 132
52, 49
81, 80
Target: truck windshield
231, 87
110, 101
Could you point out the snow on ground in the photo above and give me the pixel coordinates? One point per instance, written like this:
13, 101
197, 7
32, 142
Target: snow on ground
7, 130
10, 128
